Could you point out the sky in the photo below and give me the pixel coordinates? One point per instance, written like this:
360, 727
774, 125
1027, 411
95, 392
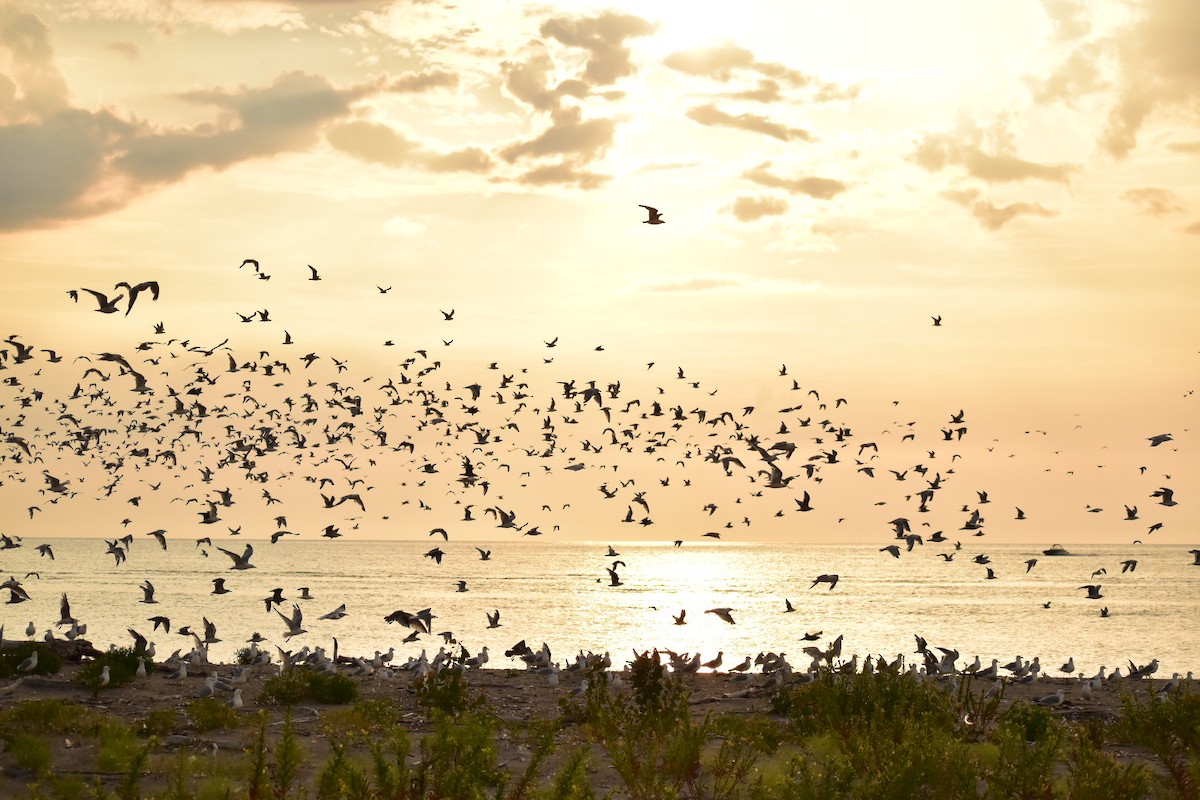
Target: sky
832, 177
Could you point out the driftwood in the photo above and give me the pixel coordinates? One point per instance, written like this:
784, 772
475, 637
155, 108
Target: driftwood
65, 649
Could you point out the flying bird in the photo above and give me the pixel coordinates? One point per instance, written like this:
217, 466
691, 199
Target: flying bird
655, 216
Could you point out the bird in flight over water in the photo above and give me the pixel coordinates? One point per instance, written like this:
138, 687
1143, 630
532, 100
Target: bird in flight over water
655, 216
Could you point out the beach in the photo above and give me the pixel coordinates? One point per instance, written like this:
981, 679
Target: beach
517, 700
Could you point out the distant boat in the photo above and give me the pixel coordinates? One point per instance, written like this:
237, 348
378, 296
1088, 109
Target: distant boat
1056, 550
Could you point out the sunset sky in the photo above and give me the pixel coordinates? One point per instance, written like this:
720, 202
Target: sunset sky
832, 176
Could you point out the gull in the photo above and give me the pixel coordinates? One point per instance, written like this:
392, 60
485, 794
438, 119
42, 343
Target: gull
716, 662
436, 554
1030, 564
1155, 441
742, 667
134, 291
788, 607
106, 306
1167, 495
724, 613
294, 623
655, 216
893, 549
161, 535
831, 579
315, 276
613, 577
679, 620
493, 619
937, 321
337, 613
484, 555
219, 586
462, 586
210, 632
148, 592
242, 561
1068, 667
44, 550
1055, 699
29, 664
1129, 566
1093, 590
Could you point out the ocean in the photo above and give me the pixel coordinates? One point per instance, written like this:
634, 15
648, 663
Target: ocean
561, 593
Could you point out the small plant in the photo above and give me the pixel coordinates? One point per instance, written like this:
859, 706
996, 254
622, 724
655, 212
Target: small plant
47, 716
159, 722
117, 747
364, 718
291, 687
258, 787
29, 751
209, 713
122, 663
48, 662
287, 761
247, 655
445, 692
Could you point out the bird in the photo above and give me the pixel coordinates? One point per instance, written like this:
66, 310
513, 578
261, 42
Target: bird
148, 592
682, 618
1051, 700
134, 291
724, 613
493, 619
831, 579
219, 586
315, 276
937, 321
337, 613
240, 561
30, 663
1093, 591
654, 218
294, 623
106, 306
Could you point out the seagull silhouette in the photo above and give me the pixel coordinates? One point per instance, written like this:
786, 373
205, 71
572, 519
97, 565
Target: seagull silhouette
655, 217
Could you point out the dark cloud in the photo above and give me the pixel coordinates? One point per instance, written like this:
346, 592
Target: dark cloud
712, 116
1154, 201
748, 209
603, 37
819, 188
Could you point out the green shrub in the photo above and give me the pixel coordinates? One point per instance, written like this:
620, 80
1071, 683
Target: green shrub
445, 692
122, 663
29, 751
49, 661
159, 722
1170, 728
291, 687
46, 716
209, 713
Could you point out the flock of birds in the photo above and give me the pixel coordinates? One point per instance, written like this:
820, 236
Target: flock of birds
298, 435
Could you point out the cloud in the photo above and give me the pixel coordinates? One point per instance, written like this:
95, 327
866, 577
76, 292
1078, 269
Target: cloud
1069, 18
412, 82
712, 116
285, 116
379, 144
991, 216
819, 188
58, 162
603, 37
564, 172
696, 285
717, 63
1154, 201
1193, 229
1160, 68
1184, 147
1077, 76
127, 50
749, 209
937, 151
722, 63
401, 226
568, 134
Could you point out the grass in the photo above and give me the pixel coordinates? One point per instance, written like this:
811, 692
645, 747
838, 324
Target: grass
122, 663
49, 662
295, 686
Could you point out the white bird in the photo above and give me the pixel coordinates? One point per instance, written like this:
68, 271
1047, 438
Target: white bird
236, 702
294, 623
105, 676
724, 613
29, 664
1055, 699
1068, 667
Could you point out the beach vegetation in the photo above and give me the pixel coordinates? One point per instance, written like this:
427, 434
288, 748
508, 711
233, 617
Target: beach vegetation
293, 686
158, 722
209, 713
1169, 727
122, 663
48, 663
445, 692
29, 751
46, 716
